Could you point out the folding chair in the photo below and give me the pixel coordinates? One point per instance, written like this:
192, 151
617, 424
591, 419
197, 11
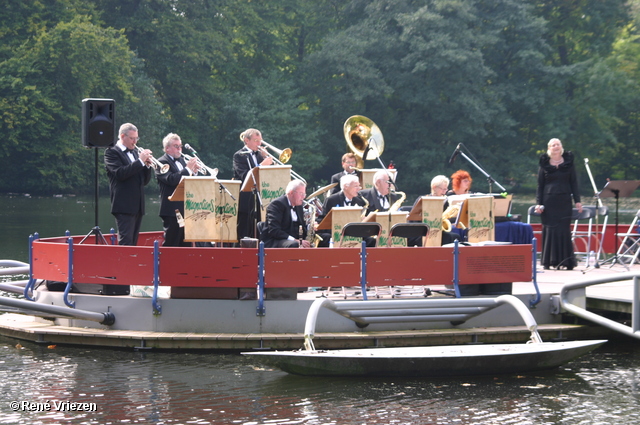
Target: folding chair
598, 235
358, 230
413, 232
410, 231
630, 245
582, 237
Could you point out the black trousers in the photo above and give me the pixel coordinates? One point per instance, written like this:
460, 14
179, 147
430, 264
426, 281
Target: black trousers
173, 233
128, 228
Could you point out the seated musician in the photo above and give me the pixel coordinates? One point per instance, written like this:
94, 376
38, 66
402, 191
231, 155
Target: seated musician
380, 197
285, 225
461, 181
349, 162
439, 187
346, 197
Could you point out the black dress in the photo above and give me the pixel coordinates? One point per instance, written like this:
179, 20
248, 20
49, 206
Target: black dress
556, 188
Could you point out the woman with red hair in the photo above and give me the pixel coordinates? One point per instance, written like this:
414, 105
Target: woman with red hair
461, 183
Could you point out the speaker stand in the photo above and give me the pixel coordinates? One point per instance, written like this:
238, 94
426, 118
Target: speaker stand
96, 229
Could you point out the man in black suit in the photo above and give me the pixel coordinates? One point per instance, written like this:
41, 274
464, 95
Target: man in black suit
129, 171
244, 160
172, 146
348, 163
380, 197
346, 197
285, 225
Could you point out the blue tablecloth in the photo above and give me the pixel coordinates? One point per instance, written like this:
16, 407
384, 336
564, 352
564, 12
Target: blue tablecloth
514, 231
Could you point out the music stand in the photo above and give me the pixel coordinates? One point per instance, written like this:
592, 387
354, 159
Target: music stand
618, 189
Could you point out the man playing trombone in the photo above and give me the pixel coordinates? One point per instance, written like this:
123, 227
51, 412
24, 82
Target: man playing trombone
129, 171
168, 181
244, 160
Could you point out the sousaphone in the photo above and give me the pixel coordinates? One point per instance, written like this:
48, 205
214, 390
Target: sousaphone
363, 137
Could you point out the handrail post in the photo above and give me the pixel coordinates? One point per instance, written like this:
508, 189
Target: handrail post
635, 306
157, 308
363, 269
67, 289
260, 310
534, 277
29, 286
456, 252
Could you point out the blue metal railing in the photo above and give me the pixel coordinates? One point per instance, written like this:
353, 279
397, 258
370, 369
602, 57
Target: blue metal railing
260, 310
157, 308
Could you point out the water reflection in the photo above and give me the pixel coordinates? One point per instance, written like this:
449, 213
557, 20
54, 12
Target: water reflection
154, 387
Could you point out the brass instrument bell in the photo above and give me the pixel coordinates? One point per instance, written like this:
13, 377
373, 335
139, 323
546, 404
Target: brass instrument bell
363, 137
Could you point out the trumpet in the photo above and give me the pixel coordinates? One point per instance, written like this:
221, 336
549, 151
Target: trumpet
155, 164
213, 172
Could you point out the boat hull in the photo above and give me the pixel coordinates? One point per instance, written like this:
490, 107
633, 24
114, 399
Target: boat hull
428, 361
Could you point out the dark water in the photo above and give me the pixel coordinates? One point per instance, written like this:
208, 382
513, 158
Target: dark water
190, 388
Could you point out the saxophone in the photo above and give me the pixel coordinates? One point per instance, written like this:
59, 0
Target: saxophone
365, 208
398, 203
310, 221
451, 212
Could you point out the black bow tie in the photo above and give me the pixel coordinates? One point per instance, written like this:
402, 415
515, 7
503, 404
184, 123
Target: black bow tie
128, 150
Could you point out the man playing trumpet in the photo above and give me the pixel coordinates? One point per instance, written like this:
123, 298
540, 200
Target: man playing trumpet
168, 181
244, 160
129, 171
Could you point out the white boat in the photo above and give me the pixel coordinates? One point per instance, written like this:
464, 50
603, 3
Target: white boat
449, 360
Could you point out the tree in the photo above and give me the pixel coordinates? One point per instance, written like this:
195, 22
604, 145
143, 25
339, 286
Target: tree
433, 74
42, 86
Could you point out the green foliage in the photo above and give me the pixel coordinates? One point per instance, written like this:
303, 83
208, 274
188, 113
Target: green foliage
501, 77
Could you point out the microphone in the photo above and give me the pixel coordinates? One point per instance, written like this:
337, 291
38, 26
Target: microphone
188, 146
454, 154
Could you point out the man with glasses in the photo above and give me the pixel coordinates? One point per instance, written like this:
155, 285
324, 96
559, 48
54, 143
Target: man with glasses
348, 164
172, 146
129, 171
346, 197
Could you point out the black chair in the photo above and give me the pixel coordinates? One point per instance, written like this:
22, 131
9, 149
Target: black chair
360, 230
413, 232
261, 227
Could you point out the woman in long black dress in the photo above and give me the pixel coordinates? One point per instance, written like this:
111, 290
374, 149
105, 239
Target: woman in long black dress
557, 185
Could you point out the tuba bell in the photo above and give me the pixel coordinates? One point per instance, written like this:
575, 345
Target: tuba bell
363, 137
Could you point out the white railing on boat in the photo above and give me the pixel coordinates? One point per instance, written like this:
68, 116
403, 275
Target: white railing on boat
433, 310
633, 330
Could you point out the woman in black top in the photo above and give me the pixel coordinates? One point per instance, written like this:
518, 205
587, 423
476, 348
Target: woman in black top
557, 187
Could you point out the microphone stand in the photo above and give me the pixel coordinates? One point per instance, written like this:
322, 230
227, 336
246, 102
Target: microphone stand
596, 195
490, 179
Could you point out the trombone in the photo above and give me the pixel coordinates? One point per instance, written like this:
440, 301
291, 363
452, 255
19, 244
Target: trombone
155, 164
283, 157
213, 172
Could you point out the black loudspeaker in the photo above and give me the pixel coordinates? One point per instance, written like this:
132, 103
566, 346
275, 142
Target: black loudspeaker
98, 123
